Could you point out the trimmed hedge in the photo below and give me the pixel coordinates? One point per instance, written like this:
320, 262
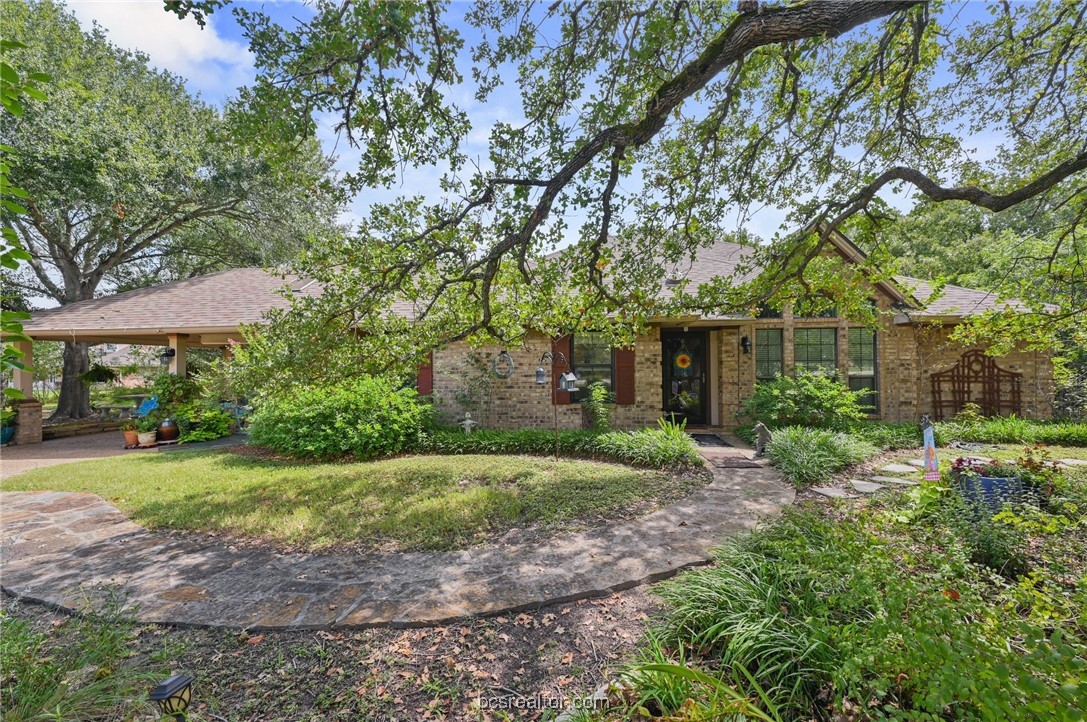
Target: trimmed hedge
365, 418
655, 448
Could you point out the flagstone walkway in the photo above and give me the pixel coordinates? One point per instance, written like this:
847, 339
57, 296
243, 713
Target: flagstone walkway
64, 549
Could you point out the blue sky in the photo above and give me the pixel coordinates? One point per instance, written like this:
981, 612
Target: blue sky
215, 61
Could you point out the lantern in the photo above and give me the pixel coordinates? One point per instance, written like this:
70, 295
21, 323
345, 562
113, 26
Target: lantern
166, 355
745, 344
173, 695
541, 376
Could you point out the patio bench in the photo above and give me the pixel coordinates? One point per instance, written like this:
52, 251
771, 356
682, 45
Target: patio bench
115, 410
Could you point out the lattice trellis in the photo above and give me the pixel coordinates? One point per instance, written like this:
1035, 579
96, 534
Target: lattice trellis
976, 378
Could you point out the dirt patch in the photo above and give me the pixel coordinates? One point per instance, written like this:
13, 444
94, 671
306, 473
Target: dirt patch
435, 673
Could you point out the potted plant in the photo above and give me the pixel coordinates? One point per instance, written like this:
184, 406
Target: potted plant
7, 425
147, 430
988, 484
132, 438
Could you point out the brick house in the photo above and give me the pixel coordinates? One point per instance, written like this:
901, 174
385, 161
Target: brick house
705, 367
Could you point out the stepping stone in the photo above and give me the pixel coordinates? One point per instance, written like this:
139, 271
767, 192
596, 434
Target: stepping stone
919, 463
1074, 462
898, 469
895, 480
866, 487
833, 492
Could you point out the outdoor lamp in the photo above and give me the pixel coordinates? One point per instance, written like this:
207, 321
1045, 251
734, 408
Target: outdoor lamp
745, 344
166, 355
173, 695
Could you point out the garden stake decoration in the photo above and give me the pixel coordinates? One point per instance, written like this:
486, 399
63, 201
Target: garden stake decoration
173, 695
932, 465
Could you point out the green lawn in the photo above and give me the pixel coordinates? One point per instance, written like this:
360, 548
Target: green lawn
415, 502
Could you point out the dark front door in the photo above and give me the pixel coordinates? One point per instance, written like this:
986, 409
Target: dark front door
685, 389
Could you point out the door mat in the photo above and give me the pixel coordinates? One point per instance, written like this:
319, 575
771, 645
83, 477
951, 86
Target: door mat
709, 440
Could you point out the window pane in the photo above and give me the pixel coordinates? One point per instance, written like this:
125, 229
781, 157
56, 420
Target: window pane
862, 352
591, 362
768, 353
816, 349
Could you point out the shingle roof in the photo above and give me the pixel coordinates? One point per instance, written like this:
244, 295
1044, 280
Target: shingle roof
221, 300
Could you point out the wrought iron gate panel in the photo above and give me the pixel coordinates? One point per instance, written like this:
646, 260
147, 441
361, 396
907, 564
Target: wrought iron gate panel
976, 378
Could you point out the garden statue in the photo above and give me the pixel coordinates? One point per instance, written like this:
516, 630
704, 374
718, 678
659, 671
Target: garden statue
763, 438
467, 423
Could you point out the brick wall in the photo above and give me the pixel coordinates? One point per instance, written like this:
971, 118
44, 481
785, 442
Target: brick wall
907, 355
464, 381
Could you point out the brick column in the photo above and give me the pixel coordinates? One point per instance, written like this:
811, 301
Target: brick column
28, 424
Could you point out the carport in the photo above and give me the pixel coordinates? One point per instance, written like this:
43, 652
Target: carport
203, 312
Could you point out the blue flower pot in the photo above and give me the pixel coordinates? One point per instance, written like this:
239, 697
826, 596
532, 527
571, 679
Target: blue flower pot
6, 432
992, 492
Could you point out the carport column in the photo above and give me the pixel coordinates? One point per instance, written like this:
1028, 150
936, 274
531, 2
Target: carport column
24, 380
178, 342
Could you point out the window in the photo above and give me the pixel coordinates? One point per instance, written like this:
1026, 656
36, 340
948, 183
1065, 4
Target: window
591, 359
768, 355
863, 365
831, 312
816, 349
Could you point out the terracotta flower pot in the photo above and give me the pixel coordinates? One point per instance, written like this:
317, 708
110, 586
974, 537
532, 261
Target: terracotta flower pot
132, 437
146, 438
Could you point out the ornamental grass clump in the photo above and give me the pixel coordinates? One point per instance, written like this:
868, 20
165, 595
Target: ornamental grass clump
807, 456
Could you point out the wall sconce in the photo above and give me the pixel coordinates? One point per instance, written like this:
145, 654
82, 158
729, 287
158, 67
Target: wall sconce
167, 354
173, 695
745, 344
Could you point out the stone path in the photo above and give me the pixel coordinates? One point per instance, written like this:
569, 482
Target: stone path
17, 459
61, 548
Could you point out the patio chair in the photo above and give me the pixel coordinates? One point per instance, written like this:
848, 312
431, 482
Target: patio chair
146, 407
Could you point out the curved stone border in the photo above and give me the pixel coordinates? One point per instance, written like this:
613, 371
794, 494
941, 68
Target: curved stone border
62, 548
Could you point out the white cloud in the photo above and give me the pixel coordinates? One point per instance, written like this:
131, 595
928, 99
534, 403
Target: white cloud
210, 63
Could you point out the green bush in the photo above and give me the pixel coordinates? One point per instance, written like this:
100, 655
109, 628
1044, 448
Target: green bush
837, 613
807, 399
806, 456
598, 407
365, 417
658, 448
201, 421
173, 390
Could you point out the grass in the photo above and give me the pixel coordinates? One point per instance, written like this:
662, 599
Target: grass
413, 502
79, 669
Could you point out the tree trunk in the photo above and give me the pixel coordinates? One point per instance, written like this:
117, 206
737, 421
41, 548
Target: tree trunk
75, 397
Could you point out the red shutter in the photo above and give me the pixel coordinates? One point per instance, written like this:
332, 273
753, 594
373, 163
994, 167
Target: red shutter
560, 345
424, 382
623, 359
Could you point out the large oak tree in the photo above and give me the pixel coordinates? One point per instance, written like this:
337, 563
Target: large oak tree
657, 125
132, 181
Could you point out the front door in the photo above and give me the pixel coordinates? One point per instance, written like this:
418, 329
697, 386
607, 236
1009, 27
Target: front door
685, 366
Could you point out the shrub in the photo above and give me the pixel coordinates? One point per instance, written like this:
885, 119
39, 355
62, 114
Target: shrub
172, 389
808, 399
364, 418
199, 421
597, 408
806, 456
663, 447
888, 435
